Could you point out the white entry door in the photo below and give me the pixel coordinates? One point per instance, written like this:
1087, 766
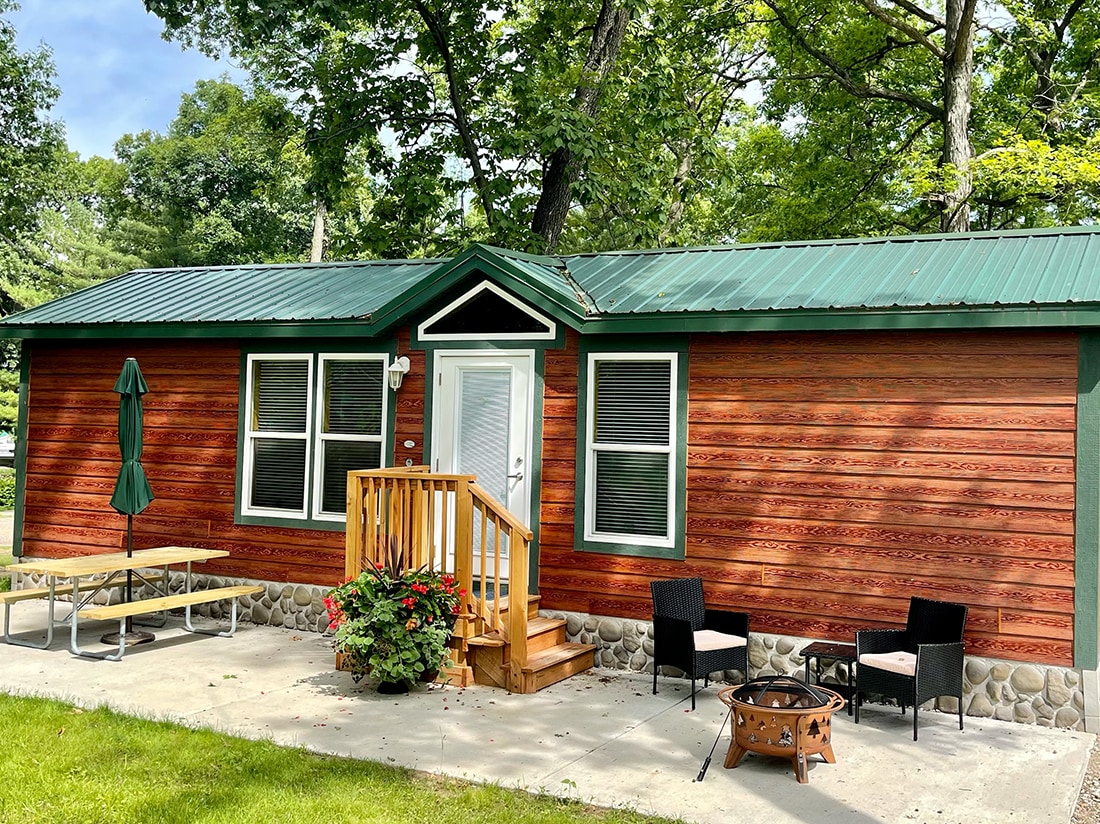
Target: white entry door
482, 424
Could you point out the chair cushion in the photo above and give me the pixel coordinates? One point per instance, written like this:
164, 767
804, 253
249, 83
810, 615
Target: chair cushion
707, 640
903, 663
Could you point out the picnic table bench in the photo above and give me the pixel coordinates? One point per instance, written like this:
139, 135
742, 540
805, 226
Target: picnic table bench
161, 604
35, 593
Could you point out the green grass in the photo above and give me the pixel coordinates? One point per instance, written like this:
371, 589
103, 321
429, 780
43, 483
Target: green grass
63, 764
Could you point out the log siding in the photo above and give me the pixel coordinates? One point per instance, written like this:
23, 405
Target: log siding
190, 457
831, 476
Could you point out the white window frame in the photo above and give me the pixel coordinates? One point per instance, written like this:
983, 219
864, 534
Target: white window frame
252, 435
320, 438
487, 286
312, 436
592, 448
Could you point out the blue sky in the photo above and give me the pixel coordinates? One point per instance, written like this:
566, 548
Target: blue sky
116, 74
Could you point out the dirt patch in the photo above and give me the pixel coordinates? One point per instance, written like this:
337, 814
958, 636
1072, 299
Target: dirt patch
1088, 801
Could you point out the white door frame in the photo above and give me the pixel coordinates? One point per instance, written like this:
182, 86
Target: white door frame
445, 366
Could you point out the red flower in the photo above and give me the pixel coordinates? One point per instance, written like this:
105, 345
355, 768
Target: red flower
410, 602
419, 588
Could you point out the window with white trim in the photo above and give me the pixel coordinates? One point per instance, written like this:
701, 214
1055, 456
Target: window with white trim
310, 419
631, 448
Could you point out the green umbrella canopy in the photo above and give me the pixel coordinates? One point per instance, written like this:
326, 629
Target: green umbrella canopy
132, 493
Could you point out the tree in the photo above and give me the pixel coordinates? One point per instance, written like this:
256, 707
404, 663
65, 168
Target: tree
964, 104
518, 91
225, 184
33, 161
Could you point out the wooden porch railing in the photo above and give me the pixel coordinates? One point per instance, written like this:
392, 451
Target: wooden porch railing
449, 524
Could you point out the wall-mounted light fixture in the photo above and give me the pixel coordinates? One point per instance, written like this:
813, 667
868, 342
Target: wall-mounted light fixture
396, 372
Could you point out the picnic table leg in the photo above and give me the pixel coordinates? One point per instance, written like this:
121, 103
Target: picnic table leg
228, 633
74, 623
165, 590
50, 621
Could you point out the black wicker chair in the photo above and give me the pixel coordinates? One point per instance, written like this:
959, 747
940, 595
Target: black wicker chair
915, 664
697, 640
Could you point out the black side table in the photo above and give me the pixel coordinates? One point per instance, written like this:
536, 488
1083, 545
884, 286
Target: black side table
834, 651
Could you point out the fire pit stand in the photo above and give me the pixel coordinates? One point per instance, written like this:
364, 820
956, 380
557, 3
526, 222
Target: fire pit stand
781, 716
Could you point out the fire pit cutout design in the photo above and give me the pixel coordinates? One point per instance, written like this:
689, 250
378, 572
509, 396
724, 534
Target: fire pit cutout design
781, 716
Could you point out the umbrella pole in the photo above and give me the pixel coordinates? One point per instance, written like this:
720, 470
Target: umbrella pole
129, 572
131, 637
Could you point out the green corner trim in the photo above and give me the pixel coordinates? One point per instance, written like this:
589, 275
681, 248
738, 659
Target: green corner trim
626, 345
1086, 615
21, 451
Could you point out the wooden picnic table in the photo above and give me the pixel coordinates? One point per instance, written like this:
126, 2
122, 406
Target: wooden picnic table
112, 564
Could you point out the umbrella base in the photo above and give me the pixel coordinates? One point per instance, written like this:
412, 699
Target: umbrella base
130, 639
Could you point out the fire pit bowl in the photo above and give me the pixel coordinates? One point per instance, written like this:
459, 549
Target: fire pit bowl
782, 716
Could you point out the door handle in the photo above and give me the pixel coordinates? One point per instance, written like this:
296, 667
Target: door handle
518, 476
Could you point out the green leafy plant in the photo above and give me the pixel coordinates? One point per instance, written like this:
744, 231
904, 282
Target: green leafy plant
394, 623
7, 487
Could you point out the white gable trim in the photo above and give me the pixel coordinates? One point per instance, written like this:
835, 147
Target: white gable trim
486, 285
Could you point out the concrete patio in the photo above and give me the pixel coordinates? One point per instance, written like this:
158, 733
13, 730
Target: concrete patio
600, 737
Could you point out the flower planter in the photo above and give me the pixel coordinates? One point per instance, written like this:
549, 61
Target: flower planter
394, 624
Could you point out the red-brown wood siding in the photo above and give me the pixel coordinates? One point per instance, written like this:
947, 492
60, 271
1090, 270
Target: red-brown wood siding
831, 476
190, 457
410, 406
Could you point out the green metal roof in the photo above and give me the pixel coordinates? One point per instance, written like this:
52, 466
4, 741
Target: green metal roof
235, 294
914, 272
1047, 277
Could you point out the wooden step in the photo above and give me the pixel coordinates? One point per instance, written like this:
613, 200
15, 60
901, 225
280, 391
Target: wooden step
544, 633
556, 664
489, 639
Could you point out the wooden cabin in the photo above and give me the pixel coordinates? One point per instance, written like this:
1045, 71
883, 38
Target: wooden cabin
820, 430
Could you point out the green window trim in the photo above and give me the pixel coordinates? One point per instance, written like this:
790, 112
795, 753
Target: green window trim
627, 446
311, 434
1086, 568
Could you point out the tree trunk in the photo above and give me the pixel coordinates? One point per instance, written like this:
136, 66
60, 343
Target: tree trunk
317, 246
563, 168
676, 209
958, 75
437, 28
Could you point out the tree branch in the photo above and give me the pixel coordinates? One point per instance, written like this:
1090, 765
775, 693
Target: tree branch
841, 75
438, 31
884, 16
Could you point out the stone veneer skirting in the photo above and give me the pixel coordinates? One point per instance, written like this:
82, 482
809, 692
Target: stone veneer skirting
1006, 690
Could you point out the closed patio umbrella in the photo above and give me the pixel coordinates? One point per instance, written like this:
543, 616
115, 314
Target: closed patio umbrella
132, 492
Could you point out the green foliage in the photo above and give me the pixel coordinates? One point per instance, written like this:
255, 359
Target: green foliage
7, 487
394, 623
9, 400
226, 184
105, 767
858, 100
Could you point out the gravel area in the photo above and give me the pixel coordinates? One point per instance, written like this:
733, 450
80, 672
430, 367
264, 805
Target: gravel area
1088, 802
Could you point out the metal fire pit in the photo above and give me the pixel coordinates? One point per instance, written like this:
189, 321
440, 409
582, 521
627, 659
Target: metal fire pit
781, 716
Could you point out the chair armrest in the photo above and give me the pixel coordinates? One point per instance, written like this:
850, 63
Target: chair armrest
673, 633
731, 623
940, 656
880, 640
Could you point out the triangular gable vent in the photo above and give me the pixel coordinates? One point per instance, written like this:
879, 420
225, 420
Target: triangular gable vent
487, 312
